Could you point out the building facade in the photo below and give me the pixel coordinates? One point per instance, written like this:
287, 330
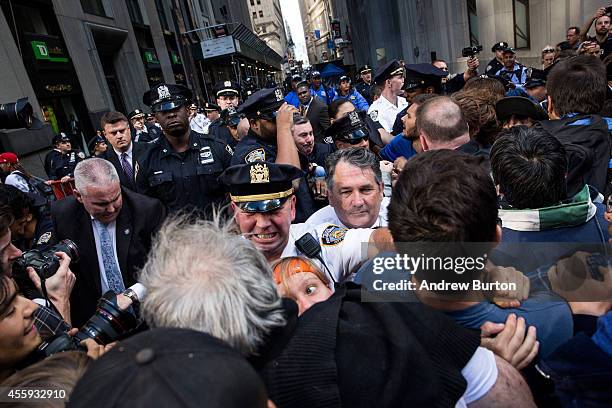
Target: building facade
267, 20
77, 59
420, 29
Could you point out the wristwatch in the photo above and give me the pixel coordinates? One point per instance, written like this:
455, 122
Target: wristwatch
130, 294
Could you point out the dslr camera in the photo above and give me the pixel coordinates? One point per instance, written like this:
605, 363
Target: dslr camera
608, 10
45, 264
19, 114
471, 51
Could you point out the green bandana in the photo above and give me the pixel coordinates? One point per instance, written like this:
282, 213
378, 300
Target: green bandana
576, 211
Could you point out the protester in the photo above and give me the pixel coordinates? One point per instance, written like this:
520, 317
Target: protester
548, 56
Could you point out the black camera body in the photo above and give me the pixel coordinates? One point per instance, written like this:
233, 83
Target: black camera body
108, 324
471, 51
45, 263
19, 114
609, 10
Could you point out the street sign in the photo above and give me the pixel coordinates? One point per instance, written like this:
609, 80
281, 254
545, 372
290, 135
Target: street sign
215, 47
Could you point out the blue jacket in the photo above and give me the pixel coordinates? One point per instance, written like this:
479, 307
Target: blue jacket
356, 99
292, 99
326, 94
398, 147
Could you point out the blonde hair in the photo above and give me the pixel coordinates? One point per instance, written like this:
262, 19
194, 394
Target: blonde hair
285, 267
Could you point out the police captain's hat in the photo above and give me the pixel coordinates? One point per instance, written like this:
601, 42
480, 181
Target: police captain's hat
387, 71
365, 69
165, 97
210, 107
226, 88
260, 186
59, 137
423, 75
136, 113
499, 46
351, 126
264, 101
520, 106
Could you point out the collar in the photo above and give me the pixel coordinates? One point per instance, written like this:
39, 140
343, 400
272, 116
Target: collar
576, 211
129, 150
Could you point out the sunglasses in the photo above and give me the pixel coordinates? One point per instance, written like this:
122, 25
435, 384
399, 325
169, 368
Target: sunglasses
548, 50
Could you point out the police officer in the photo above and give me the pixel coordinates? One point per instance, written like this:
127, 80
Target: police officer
317, 87
181, 167
346, 91
248, 88
365, 82
264, 204
512, 70
496, 63
350, 130
231, 119
228, 95
141, 130
97, 146
269, 139
61, 161
390, 77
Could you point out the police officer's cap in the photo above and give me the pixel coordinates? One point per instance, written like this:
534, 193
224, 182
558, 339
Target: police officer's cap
96, 141
303, 82
260, 186
499, 46
519, 106
226, 88
230, 116
136, 113
263, 102
165, 97
345, 78
210, 107
350, 127
315, 74
509, 50
60, 137
423, 75
296, 78
366, 69
387, 71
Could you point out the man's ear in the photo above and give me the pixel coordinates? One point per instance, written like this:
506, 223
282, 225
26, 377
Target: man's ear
551, 108
78, 196
423, 142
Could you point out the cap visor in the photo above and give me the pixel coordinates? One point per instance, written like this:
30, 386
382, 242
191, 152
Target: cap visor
262, 206
168, 105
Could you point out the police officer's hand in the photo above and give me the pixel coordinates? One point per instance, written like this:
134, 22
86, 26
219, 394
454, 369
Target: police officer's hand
284, 116
59, 286
65, 179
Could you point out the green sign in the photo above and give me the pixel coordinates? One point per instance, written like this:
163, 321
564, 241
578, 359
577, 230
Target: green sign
176, 59
151, 57
45, 53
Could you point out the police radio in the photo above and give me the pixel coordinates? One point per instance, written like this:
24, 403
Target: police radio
309, 246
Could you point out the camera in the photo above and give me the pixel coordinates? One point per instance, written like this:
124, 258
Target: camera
471, 51
45, 263
230, 117
608, 10
16, 115
108, 324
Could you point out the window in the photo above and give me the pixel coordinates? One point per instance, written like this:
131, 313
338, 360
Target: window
254, 14
252, 2
97, 7
473, 22
520, 11
264, 29
260, 13
134, 11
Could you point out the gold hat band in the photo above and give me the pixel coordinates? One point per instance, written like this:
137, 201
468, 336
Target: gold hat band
261, 197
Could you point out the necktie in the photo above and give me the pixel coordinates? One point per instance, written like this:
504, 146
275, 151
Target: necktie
111, 269
127, 167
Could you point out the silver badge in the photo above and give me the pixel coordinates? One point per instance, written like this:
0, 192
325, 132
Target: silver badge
231, 110
374, 115
279, 94
227, 83
206, 156
163, 92
354, 118
257, 155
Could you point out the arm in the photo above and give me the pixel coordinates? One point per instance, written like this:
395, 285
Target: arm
584, 31
287, 151
385, 136
362, 104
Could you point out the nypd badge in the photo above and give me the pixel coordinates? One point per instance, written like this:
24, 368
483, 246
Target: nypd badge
206, 156
257, 155
333, 235
163, 92
374, 115
354, 118
229, 149
44, 238
279, 94
260, 174
227, 83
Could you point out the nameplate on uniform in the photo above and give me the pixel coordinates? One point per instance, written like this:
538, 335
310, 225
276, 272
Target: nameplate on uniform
333, 235
257, 155
206, 156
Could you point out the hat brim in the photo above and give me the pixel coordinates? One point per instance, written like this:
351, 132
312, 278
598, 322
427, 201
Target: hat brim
519, 106
140, 115
168, 105
262, 206
227, 92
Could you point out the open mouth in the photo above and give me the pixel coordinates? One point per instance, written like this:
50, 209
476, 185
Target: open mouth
265, 237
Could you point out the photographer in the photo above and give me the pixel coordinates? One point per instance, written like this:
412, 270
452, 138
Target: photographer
601, 18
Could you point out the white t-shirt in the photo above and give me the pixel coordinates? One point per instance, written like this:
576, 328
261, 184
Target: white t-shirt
15, 179
481, 374
200, 124
342, 249
327, 214
385, 112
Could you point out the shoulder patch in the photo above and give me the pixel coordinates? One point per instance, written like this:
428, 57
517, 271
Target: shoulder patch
333, 235
229, 149
44, 238
256, 155
81, 155
374, 115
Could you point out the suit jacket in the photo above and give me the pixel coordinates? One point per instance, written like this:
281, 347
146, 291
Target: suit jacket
319, 118
138, 150
140, 217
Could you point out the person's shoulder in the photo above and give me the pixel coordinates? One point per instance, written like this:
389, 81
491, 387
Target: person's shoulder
325, 215
65, 206
140, 201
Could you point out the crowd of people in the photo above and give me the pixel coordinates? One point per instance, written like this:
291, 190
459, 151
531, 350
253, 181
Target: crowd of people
246, 253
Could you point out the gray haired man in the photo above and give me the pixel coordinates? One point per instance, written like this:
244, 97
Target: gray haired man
111, 226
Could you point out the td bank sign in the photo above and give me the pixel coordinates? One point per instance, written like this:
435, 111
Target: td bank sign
45, 52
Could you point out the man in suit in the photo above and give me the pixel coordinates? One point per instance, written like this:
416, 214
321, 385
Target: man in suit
313, 108
112, 227
124, 153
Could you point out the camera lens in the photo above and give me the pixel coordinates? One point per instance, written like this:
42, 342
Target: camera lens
109, 322
69, 248
17, 115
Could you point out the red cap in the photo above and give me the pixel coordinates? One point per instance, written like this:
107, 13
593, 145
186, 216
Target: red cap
9, 157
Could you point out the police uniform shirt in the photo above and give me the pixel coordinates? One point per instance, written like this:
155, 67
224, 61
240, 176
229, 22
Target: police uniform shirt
63, 164
328, 215
493, 67
517, 75
364, 90
187, 179
385, 112
219, 131
341, 248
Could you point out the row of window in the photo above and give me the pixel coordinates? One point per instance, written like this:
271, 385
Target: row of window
253, 2
255, 14
520, 15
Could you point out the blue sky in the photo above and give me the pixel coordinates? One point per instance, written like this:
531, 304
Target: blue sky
291, 14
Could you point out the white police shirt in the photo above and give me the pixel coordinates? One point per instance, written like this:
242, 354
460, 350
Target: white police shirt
342, 249
327, 214
384, 112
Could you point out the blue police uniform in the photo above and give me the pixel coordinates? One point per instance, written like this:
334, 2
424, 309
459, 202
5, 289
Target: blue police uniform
517, 75
355, 98
61, 165
325, 93
399, 146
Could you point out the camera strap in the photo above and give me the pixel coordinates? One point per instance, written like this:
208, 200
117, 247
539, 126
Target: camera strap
43, 287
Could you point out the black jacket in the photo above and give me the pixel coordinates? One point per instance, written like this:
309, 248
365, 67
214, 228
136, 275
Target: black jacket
319, 118
138, 150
